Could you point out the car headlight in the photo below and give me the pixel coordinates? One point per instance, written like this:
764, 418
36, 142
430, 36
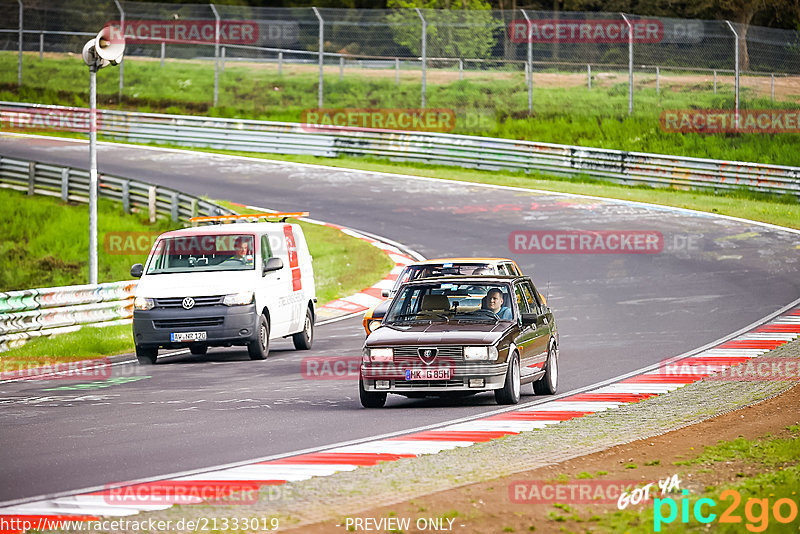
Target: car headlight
372, 325
381, 355
480, 353
238, 299
143, 304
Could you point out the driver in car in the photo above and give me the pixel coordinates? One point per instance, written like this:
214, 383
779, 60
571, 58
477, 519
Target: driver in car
494, 302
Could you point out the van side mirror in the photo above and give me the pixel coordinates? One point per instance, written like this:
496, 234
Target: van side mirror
273, 264
137, 270
386, 293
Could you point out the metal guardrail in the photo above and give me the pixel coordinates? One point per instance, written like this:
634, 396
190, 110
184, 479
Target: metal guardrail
630, 168
39, 312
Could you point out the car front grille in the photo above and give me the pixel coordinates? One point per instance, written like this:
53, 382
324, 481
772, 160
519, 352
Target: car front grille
443, 354
177, 302
195, 322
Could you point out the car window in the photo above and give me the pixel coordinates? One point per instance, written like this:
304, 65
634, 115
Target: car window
530, 298
522, 301
448, 301
191, 253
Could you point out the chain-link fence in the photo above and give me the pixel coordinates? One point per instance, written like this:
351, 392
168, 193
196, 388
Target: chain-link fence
488, 63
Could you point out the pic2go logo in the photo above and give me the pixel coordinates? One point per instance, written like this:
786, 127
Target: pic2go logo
756, 511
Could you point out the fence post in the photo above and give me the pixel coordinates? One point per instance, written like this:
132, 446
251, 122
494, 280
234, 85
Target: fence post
151, 202
122, 62
222, 68
41, 46
280, 63
31, 176
715, 82
529, 69
216, 54
658, 81
20, 38
321, 54
424, 53
588, 76
126, 196
341, 68
163, 52
397, 71
174, 207
65, 184
630, 63
772, 87
460, 69
736, 72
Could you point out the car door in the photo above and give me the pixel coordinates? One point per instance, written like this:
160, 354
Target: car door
526, 337
542, 326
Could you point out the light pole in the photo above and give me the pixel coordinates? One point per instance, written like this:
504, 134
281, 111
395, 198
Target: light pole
104, 50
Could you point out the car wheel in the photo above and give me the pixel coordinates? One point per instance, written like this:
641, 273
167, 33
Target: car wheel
302, 340
510, 392
548, 384
370, 399
259, 347
198, 350
146, 355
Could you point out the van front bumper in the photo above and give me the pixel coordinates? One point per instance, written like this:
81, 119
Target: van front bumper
223, 325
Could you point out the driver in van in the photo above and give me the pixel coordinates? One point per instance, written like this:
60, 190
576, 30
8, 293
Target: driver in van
241, 251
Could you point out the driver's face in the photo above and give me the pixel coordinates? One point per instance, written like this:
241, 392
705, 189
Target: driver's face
495, 301
241, 248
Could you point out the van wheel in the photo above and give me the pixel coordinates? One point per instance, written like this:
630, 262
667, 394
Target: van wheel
259, 347
548, 384
146, 355
370, 399
302, 340
198, 350
510, 392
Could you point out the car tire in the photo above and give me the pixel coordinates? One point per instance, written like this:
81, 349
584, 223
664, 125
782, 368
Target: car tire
548, 384
146, 355
303, 339
198, 350
510, 392
370, 399
259, 347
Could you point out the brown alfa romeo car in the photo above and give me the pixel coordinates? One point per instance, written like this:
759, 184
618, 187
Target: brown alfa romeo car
462, 335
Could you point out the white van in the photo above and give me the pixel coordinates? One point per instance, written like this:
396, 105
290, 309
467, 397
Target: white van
223, 285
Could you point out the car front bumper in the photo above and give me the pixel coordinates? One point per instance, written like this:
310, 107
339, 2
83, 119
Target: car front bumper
493, 375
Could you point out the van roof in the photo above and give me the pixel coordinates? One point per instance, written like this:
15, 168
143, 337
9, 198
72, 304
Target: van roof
231, 228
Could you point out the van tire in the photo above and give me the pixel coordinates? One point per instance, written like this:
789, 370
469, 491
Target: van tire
146, 355
259, 347
303, 339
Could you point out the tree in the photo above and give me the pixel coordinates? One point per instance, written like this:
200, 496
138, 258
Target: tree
455, 28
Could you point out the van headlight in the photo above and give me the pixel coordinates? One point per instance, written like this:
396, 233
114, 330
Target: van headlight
480, 353
238, 299
143, 304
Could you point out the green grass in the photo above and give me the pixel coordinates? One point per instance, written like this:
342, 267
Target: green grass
44, 247
485, 104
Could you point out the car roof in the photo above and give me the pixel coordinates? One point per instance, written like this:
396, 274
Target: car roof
224, 229
462, 260
483, 279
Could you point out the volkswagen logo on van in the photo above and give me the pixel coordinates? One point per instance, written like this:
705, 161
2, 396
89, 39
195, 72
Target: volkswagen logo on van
188, 303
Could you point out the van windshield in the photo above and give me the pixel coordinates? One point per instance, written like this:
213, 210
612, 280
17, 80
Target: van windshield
228, 252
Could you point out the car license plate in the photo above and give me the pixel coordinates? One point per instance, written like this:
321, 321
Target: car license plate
427, 374
187, 336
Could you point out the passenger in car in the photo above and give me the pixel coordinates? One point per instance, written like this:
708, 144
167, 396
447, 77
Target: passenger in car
494, 303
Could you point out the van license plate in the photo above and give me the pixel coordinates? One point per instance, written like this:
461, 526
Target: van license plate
427, 374
187, 336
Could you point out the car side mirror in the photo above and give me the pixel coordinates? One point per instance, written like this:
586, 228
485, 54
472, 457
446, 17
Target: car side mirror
137, 270
273, 264
529, 319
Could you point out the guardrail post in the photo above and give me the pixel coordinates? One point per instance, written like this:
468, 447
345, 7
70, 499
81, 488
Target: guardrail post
163, 52
65, 184
31, 177
20, 38
41, 46
630, 63
122, 61
151, 202
460, 69
193, 208
175, 204
588, 77
280, 63
341, 68
321, 54
216, 54
529, 64
424, 53
736, 72
126, 196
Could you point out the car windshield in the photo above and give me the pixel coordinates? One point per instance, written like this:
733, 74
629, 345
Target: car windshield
183, 254
448, 302
432, 270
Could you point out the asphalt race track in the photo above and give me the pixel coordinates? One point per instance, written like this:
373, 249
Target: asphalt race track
616, 313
